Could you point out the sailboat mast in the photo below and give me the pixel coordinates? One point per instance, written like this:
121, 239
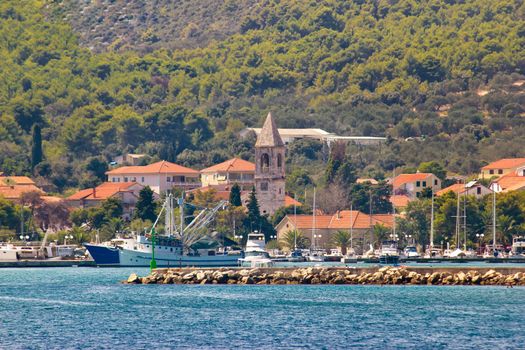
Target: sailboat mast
314, 224
393, 207
493, 220
351, 227
432, 221
295, 220
465, 220
457, 222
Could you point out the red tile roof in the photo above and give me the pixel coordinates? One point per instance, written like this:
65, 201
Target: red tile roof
407, 178
341, 221
104, 191
16, 180
235, 165
505, 163
14, 192
289, 202
399, 200
511, 182
162, 167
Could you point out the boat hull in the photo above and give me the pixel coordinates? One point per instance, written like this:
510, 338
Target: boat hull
143, 259
103, 255
389, 259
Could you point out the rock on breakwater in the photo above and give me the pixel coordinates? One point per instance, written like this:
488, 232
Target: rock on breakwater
329, 275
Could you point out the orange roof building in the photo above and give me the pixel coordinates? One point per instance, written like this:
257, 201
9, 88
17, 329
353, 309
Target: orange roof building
232, 171
411, 185
126, 192
502, 167
472, 188
508, 182
160, 176
12, 187
400, 201
325, 226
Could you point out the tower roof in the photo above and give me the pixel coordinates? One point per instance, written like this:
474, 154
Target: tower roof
269, 136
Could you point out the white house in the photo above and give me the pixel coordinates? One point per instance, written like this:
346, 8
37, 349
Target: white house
160, 176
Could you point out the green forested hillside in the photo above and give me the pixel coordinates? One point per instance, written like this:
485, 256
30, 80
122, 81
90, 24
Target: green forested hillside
441, 78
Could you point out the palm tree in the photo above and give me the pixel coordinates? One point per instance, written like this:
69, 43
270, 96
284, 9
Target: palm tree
342, 239
381, 232
293, 237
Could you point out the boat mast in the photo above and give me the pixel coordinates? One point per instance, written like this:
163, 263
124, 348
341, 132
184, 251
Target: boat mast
457, 222
314, 225
465, 218
295, 220
493, 220
393, 207
432, 221
351, 227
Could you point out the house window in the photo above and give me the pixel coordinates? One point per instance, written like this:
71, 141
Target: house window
491, 172
264, 186
435, 182
280, 191
114, 179
125, 179
478, 190
142, 179
424, 184
133, 179
418, 194
279, 161
168, 179
500, 171
418, 183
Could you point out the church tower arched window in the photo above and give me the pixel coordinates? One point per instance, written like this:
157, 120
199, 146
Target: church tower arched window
265, 163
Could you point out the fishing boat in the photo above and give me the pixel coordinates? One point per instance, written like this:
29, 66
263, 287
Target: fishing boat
296, 256
255, 254
389, 253
177, 247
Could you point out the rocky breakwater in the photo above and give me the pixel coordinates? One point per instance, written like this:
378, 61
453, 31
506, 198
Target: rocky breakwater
311, 275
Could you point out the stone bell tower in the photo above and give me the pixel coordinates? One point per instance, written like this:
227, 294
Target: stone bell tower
269, 167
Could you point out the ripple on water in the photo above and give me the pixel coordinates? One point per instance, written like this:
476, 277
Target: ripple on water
88, 308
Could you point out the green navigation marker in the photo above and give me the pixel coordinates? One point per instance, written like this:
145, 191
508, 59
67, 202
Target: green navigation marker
153, 263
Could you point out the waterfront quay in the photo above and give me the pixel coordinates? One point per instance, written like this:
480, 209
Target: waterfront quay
387, 275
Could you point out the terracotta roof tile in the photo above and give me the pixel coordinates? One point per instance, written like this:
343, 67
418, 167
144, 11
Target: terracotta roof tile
235, 165
17, 180
161, 167
14, 192
399, 201
104, 191
511, 182
341, 221
505, 163
407, 178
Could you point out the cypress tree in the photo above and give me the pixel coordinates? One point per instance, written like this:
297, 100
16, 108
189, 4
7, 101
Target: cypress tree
254, 214
235, 196
36, 147
146, 206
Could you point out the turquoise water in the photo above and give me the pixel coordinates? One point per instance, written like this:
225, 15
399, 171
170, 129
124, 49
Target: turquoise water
81, 308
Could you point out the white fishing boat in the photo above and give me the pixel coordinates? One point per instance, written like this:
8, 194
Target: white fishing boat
389, 253
350, 257
180, 246
255, 254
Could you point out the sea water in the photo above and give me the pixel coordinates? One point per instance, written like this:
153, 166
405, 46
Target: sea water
83, 308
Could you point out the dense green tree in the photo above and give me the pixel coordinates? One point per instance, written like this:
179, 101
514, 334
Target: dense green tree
235, 195
146, 207
36, 147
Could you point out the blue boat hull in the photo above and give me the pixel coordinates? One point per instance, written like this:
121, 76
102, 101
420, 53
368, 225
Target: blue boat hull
103, 255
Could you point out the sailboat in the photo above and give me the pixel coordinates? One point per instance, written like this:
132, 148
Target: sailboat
316, 255
432, 251
186, 246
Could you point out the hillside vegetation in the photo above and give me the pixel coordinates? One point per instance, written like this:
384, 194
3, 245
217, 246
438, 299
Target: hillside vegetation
443, 74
